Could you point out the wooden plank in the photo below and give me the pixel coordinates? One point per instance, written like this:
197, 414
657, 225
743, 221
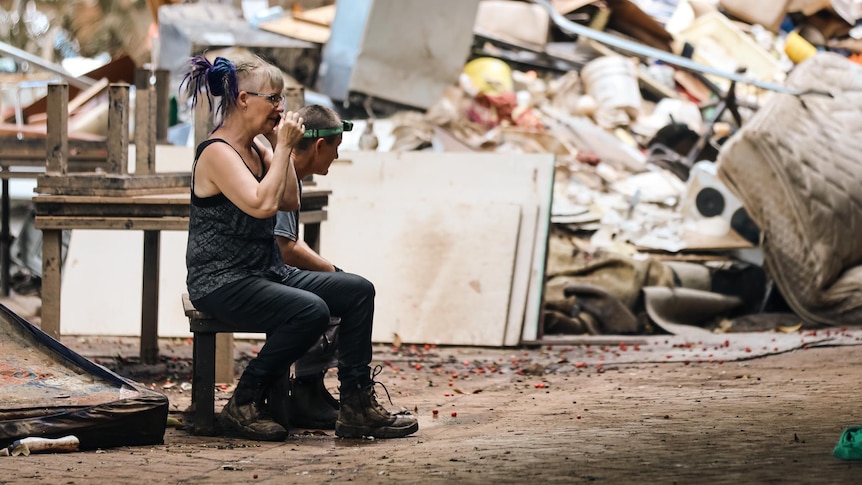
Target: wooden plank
126, 223
52, 242
149, 342
34, 149
112, 184
118, 129
57, 142
322, 16
145, 123
163, 86
224, 358
298, 29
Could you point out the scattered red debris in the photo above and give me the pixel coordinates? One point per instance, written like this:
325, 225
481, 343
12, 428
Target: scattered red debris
539, 385
435, 412
418, 366
454, 413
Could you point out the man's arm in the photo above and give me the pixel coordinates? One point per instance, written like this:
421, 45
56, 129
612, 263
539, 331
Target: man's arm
300, 255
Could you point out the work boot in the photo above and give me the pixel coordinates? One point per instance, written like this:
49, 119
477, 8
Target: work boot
278, 401
361, 415
245, 413
312, 406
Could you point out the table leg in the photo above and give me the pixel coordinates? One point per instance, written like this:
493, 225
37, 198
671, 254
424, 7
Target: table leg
52, 264
6, 239
150, 299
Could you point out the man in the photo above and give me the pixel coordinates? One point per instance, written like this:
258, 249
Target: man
348, 296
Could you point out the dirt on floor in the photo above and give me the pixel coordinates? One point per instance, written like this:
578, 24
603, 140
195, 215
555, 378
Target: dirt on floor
517, 415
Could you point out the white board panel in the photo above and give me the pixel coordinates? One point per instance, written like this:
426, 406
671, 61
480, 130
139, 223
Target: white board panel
442, 271
519, 178
102, 281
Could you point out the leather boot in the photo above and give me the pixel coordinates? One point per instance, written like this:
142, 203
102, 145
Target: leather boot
279, 402
245, 413
312, 406
361, 415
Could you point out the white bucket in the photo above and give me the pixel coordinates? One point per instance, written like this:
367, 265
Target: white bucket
613, 82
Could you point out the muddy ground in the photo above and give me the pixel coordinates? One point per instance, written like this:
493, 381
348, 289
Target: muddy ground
564, 414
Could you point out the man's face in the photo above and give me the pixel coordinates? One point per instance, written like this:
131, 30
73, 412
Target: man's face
326, 154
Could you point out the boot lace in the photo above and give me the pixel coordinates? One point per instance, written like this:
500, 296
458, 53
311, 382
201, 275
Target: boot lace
378, 369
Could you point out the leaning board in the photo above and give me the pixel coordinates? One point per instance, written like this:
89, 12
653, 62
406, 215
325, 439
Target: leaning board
433, 177
442, 271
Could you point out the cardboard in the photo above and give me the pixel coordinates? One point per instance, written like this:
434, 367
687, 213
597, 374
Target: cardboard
768, 14
298, 29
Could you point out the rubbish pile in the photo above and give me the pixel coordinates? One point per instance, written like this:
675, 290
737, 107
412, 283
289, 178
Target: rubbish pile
704, 148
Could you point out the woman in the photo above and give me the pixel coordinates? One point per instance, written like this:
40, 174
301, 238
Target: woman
235, 270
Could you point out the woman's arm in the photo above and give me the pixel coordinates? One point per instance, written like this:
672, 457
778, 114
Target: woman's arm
222, 170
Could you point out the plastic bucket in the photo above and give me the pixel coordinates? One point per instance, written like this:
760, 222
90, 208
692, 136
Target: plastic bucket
613, 82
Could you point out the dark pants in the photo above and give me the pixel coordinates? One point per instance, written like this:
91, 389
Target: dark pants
294, 313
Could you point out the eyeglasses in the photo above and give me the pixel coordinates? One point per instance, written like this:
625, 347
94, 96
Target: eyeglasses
275, 99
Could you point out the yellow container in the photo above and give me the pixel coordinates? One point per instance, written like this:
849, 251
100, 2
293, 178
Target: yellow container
797, 48
490, 75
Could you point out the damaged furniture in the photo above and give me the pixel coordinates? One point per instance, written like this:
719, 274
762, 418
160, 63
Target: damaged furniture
113, 199
795, 167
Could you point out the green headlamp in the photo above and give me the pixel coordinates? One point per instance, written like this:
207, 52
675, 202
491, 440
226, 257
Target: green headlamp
324, 132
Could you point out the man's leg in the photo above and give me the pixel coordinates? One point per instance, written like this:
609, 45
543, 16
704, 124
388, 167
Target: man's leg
311, 404
351, 297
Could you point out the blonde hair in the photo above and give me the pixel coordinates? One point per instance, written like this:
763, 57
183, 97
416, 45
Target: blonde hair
225, 78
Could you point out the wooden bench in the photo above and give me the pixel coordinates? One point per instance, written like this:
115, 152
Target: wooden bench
207, 357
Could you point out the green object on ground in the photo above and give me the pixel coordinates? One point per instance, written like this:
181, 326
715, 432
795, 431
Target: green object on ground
849, 445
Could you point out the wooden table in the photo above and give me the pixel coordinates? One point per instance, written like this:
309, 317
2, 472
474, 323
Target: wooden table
25, 159
148, 213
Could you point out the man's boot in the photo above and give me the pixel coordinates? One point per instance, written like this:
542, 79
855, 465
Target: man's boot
278, 401
245, 413
361, 415
312, 406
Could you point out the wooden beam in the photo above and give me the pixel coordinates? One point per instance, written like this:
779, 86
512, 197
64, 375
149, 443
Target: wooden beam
57, 141
128, 223
118, 129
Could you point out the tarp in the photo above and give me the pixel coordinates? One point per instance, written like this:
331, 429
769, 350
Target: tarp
47, 390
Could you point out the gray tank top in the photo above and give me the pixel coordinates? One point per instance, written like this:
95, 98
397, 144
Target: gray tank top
225, 244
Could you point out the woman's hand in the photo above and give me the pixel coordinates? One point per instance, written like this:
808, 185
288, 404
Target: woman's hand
290, 129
